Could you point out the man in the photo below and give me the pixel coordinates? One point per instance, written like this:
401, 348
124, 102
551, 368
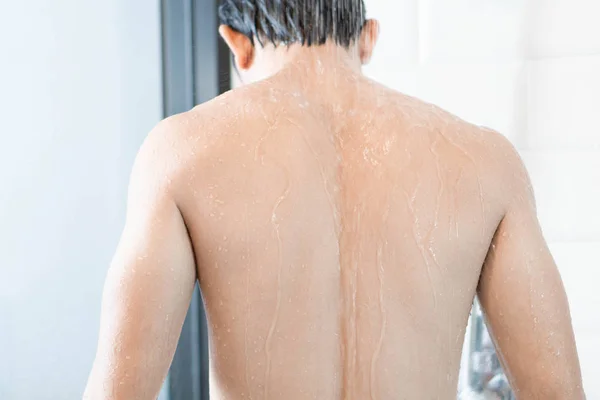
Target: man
339, 231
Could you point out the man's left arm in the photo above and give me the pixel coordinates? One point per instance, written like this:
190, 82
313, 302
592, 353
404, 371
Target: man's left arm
148, 287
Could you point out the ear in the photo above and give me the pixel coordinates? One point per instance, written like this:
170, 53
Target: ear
240, 46
368, 40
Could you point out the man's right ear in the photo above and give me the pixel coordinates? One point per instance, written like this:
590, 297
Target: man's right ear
240, 45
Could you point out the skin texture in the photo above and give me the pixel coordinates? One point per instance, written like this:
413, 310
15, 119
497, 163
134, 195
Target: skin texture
339, 231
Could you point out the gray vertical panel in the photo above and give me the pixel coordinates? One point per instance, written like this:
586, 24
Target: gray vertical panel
177, 56
205, 50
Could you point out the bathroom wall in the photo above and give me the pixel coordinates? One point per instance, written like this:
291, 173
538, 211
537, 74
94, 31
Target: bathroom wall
80, 86
530, 70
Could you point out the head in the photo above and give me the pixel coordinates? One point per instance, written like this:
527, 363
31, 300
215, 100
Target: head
263, 33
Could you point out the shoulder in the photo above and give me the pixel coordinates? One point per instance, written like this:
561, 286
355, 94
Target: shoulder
179, 144
501, 158
509, 169
500, 165
192, 132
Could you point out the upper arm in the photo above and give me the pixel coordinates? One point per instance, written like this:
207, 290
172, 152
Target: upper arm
524, 301
148, 286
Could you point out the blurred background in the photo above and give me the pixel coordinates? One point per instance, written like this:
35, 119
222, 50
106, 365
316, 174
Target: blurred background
83, 82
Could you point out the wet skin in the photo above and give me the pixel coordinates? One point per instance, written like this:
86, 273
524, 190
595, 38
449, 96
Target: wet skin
339, 231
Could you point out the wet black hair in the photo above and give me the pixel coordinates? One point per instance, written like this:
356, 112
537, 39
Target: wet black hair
309, 22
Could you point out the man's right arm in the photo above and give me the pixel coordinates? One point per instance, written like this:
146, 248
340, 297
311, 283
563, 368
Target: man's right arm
524, 301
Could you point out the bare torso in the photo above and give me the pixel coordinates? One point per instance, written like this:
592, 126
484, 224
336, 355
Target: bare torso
339, 245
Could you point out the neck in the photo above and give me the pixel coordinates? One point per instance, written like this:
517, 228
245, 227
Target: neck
311, 65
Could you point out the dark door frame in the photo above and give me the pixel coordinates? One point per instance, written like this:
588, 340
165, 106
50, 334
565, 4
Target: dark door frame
196, 68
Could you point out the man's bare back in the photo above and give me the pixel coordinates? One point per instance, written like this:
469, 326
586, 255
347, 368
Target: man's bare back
339, 232
340, 242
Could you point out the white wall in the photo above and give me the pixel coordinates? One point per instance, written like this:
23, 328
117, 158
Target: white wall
80, 87
532, 71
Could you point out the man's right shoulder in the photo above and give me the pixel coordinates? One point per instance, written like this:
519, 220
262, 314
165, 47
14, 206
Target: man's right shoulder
500, 164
